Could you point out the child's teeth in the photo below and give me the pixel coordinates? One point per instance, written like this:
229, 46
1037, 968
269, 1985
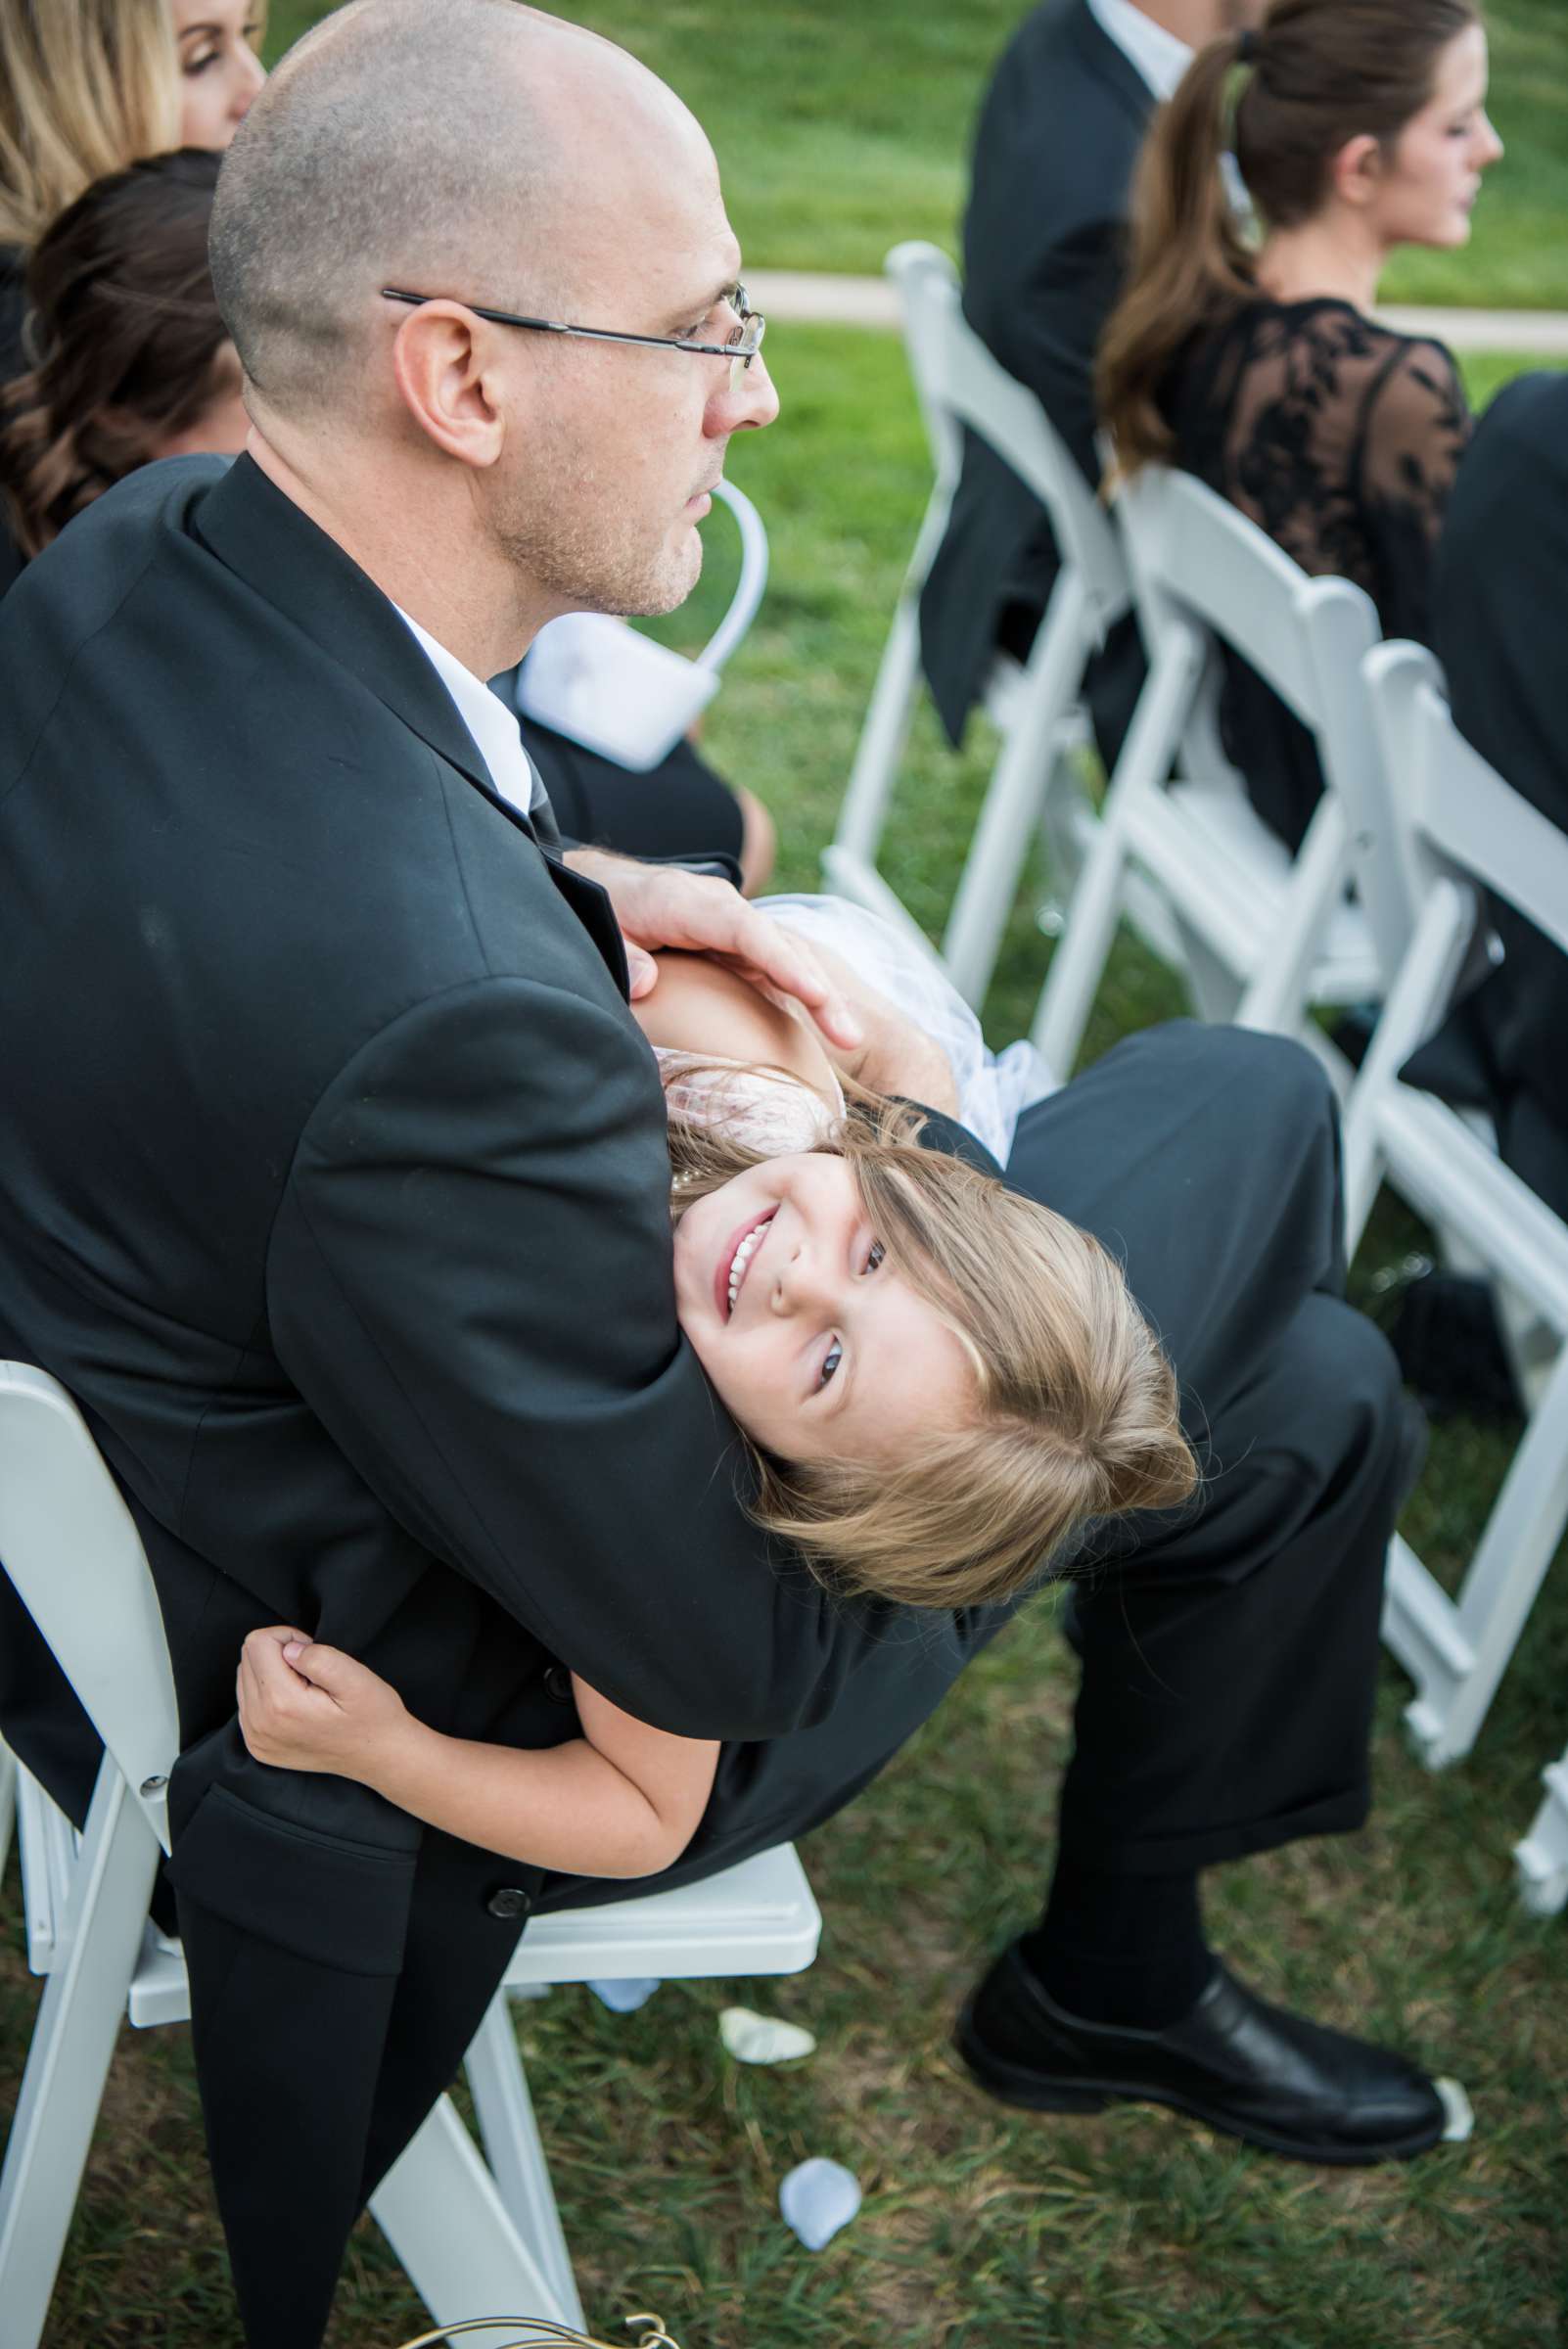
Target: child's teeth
742, 1257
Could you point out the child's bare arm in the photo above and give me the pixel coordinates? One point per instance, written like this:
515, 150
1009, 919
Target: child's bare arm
622, 1800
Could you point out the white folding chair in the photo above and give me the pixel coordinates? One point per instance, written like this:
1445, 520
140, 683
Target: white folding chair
1462, 830
473, 2238
958, 383
1266, 935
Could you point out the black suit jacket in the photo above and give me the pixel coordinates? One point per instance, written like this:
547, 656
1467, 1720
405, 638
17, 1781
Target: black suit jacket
1056, 142
1500, 592
334, 1185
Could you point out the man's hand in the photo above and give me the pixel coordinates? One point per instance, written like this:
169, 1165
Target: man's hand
659, 905
303, 1706
894, 1056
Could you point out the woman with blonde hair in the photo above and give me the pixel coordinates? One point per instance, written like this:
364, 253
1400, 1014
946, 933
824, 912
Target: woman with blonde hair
940, 1382
90, 86
1254, 361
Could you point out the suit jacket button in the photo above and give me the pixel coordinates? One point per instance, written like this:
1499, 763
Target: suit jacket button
509, 1900
558, 1684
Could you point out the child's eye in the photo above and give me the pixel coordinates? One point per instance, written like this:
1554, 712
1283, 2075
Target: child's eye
830, 1362
876, 1256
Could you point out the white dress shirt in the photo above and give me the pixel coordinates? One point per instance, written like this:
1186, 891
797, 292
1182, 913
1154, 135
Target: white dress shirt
1154, 53
487, 718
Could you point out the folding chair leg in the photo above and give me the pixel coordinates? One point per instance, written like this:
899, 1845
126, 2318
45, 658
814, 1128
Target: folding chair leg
443, 2214
1542, 1857
1083, 948
882, 741
1007, 820
1212, 984
1457, 1673
78, 2019
514, 2151
1276, 1001
1433, 958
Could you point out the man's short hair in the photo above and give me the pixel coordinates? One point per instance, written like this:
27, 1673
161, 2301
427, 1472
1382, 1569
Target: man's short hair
398, 144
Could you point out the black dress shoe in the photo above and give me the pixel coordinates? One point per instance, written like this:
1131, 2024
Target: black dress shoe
1252, 2070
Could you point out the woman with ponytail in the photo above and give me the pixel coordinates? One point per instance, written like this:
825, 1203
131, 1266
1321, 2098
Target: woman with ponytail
1250, 356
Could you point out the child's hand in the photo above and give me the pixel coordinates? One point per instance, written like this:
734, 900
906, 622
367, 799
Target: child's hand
303, 1706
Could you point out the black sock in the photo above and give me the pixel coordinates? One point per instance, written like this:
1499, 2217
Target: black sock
1120, 1949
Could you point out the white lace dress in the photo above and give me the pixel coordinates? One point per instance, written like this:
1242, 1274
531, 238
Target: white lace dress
774, 1115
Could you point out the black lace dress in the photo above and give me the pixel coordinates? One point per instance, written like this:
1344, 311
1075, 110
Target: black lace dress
1341, 440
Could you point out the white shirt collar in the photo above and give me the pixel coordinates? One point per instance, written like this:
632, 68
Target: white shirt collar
1156, 54
487, 718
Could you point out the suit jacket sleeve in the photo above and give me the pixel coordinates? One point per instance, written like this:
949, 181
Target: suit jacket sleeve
1049, 334
470, 1282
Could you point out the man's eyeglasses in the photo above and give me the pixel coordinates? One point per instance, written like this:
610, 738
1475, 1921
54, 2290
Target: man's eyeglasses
740, 349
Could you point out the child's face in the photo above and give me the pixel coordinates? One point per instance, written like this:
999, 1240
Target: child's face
815, 1346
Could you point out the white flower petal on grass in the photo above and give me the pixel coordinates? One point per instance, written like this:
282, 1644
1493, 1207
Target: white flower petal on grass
1457, 2110
763, 2038
624, 1997
817, 2198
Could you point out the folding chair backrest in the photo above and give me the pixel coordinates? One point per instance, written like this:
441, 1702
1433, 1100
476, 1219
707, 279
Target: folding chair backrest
1198, 563
959, 381
1458, 815
70, 1547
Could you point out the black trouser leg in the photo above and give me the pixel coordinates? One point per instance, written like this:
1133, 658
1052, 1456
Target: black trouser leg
1229, 1670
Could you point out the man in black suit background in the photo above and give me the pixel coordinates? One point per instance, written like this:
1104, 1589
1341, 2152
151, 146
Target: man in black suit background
333, 1180
1054, 150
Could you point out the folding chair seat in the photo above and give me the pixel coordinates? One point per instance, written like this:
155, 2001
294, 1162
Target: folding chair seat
472, 2237
1034, 704
1265, 935
1462, 831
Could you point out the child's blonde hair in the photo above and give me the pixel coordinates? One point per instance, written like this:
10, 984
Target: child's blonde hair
1076, 1408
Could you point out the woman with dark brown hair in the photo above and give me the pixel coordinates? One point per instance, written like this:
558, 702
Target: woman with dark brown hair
133, 361
1254, 362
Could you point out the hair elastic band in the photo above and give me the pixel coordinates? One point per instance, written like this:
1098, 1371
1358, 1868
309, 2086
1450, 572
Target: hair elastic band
1247, 46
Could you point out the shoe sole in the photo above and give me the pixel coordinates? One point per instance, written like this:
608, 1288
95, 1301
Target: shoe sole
1036, 2093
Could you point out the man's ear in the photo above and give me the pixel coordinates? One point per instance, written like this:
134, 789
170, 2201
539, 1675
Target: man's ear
1355, 174
445, 368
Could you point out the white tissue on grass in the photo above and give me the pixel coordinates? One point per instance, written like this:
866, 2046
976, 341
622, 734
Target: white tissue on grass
624, 1997
817, 2198
763, 2038
1460, 2113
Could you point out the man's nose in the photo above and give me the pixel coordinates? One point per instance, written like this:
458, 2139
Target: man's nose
753, 403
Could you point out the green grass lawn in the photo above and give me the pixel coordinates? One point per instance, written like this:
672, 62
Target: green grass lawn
840, 129
981, 2228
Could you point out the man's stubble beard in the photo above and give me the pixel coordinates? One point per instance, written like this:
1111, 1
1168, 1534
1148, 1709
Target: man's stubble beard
558, 543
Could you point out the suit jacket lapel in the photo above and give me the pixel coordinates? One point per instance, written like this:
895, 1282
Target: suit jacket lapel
263, 537
253, 530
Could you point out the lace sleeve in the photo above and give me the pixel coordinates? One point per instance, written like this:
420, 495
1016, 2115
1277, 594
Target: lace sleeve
1417, 427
